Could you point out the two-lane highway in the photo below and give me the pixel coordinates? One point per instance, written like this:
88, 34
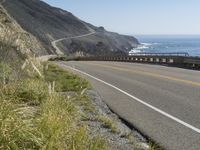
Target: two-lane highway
162, 102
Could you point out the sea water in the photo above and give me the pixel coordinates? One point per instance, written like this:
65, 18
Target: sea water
169, 44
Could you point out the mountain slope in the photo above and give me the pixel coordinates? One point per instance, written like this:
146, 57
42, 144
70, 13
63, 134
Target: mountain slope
48, 23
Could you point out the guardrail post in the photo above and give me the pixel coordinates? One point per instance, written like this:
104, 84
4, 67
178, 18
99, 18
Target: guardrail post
171, 61
132, 59
164, 60
157, 60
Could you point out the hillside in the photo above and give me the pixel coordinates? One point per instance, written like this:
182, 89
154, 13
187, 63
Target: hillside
48, 23
14, 41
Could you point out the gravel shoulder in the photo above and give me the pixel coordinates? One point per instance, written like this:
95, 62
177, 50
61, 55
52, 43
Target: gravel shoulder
103, 122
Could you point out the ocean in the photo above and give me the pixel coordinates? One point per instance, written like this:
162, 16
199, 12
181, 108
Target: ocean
168, 44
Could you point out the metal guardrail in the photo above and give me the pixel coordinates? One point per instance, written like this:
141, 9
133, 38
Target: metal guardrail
181, 61
160, 54
138, 58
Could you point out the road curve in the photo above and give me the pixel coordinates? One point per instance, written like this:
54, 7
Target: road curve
54, 43
162, 102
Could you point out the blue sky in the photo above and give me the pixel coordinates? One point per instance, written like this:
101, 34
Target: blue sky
137, 16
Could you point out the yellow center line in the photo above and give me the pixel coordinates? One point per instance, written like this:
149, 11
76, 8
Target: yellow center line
148, 74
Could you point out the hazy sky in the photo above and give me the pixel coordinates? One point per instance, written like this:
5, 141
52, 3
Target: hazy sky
137, 16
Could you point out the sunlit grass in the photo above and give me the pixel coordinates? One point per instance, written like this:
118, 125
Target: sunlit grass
65, 81
32, 118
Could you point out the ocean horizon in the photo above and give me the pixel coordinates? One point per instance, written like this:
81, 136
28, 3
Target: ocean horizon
169, 44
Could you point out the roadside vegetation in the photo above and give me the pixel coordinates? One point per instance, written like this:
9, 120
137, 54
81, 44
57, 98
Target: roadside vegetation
37, 113
43, 107
108, 123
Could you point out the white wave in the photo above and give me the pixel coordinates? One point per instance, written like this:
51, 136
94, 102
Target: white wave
155, 43
147, 44
141, 48
133, 51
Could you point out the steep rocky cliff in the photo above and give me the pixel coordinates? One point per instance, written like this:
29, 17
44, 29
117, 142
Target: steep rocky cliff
48, 23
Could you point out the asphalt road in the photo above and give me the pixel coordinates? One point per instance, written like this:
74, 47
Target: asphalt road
162, 102
54, 43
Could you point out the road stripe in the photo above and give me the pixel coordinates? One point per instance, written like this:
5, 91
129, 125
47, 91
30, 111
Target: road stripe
150, 74
139, 100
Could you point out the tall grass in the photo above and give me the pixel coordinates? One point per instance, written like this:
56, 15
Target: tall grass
32, 91
15, 132
5, 73
32, 118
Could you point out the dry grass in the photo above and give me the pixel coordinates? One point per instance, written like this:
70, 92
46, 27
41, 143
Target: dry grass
32, 118
108, 123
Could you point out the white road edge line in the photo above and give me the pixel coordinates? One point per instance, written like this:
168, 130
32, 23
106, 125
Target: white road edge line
140, 101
